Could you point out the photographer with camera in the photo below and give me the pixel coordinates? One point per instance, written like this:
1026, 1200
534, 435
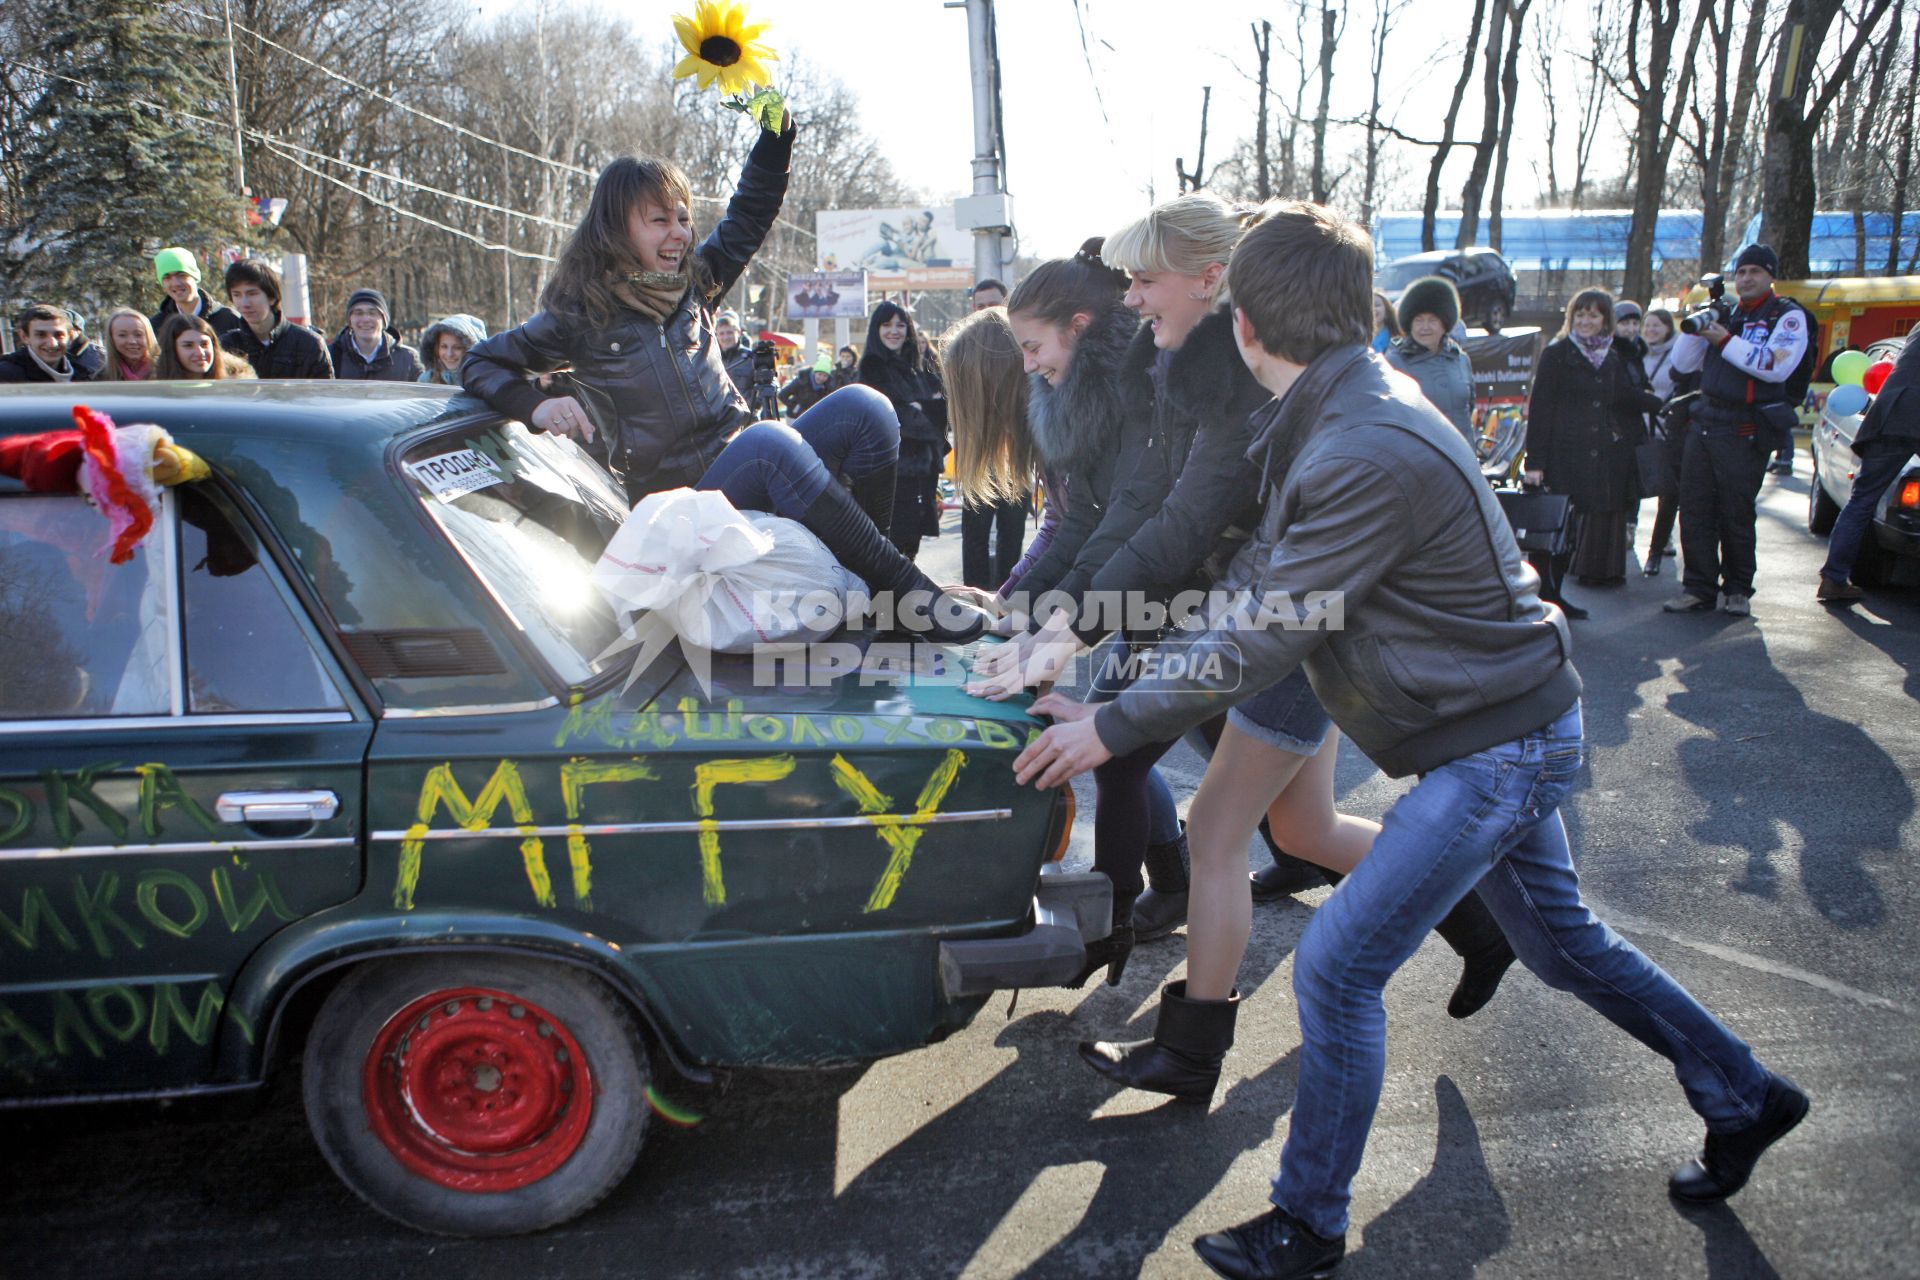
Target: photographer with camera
1754, 358
763, 397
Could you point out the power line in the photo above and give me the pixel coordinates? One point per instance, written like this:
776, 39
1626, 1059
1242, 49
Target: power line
298, 163
274, 140
461, 129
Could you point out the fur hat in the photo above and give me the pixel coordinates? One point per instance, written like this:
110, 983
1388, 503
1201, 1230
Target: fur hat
1759, 255
1625, 309
1430, 296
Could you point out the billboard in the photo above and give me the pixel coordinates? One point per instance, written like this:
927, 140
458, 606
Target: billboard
827, 295
916, 247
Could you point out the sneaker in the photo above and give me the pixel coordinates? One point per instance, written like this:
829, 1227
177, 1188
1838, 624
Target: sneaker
1779, 468
1687, 602
1833, 591
1737, 605
1273, 1246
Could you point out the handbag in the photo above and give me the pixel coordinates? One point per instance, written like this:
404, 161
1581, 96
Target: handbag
1542, 522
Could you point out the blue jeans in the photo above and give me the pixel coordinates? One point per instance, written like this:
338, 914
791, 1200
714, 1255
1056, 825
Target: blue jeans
1879, 467
1489, 819
784, 469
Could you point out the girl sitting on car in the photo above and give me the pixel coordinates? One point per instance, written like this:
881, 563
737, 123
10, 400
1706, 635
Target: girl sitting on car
629, 310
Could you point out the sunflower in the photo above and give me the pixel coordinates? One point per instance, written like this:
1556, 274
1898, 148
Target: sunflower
720, 45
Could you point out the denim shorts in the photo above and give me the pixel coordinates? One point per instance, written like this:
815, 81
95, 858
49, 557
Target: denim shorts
1285, 715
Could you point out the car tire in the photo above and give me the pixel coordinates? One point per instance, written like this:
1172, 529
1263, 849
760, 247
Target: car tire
1496, 316
448, 1092
1822, 510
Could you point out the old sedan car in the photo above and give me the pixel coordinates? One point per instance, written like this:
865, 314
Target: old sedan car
1891, 551
336, 766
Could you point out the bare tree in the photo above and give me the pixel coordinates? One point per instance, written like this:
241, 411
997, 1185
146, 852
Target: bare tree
1263, 50
1471, 194
1794, 117
1332, 25
1384, 12
1510, 94
1430, 209
1603, 36
1198, 178
1546, 44
1903, 165
1648, 86
1720, 130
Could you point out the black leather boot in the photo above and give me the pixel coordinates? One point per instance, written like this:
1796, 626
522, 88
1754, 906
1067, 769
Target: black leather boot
920, 608
1287, 876
1189, 1043
1111, 952
1163, 907
874, 493
1484, 951
1726, 1164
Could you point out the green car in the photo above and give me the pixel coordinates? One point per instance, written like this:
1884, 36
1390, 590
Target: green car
337, 766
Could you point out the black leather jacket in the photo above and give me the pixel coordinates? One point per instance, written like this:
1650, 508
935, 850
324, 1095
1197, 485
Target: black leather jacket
660, 391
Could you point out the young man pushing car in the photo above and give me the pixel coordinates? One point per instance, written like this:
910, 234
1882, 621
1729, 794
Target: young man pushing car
1445, 665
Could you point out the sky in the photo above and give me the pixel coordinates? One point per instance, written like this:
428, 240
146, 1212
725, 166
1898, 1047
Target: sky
1082, 163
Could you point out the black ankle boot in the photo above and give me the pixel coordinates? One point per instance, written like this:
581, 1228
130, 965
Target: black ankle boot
1274, 1246
1484, 951
1189, 1043
1287, 876
1726, 1164
874, 493
920, 608
1163, 907
1111, 952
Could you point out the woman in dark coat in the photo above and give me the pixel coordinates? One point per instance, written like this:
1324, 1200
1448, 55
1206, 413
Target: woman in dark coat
1584, 417
901, 366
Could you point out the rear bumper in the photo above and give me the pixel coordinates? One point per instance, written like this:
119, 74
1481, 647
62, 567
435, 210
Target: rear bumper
1069, 911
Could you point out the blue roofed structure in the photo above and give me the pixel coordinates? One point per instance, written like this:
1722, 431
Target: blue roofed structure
1834, 247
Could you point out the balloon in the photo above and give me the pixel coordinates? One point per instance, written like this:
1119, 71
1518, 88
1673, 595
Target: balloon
1848, 400
1849, 367
1876, 377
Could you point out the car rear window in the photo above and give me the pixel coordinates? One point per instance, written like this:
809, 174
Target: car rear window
531, 513
1398, 275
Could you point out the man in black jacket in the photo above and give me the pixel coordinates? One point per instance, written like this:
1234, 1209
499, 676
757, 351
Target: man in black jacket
1886, 439
40, 335
368, 350
1384, 566
275, 347
736, 354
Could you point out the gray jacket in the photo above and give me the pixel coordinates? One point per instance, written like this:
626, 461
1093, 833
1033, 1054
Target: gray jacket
1438, 646
1445, 377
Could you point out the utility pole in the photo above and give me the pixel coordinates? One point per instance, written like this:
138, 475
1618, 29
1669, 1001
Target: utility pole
988, 213
233, 90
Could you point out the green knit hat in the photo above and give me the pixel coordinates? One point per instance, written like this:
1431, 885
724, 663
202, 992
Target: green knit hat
168, 261
824, 364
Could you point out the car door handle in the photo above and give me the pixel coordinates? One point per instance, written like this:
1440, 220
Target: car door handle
248, 807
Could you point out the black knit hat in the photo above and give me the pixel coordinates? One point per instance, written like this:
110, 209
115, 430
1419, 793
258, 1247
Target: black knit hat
1432, 296
1759, 255
373, 296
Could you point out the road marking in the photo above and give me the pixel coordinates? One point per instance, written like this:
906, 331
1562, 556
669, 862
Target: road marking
1635, 925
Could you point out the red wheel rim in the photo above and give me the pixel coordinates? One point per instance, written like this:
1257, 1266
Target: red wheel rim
477, 1090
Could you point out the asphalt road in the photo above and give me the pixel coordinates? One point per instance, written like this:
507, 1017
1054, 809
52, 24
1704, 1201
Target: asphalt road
1746, 819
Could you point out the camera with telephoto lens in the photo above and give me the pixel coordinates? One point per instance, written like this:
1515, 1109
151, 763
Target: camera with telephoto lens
766, 365
1717, 311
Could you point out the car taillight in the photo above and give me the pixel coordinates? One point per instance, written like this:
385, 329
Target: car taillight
1910, 494
1063, 830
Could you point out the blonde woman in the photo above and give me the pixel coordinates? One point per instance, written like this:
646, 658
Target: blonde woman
995, 459
133, 352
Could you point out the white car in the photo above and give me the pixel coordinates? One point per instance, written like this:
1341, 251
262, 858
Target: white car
1892, 553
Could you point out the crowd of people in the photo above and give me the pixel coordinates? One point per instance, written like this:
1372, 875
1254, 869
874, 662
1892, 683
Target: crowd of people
1208, 397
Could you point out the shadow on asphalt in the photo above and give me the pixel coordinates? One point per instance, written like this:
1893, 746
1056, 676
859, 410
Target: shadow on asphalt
1730, 1251
1450, 1221
1731, 773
